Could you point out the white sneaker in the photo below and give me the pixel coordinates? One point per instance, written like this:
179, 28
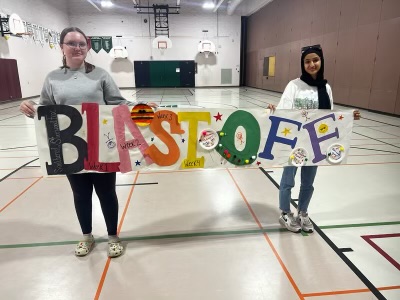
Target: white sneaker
290, 222
305, 222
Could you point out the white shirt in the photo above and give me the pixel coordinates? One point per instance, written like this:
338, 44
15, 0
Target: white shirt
300, 95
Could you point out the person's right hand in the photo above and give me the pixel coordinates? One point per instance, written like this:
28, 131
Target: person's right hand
271, 107
27, 108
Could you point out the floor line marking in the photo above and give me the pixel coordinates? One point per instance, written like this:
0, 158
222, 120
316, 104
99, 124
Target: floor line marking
104, 274
193, 234
342, 292
16, 197
285, 270
368, 239
331, 244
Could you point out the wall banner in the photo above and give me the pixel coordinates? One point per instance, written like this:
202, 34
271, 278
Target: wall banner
96, 43
107, 43
105, 138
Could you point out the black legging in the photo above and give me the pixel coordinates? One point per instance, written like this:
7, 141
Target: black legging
82, 188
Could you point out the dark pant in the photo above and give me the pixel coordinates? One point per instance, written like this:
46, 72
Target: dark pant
104, 185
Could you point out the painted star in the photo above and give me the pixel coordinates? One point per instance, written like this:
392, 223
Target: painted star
286, 131
258, 163
218, 117
105, 121
183, 140
341, 117
137, 163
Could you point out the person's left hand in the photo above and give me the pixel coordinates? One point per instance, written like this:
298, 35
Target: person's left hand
356, 114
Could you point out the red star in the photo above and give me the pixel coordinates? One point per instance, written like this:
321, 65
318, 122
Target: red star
218, 117
258, 163
341, 117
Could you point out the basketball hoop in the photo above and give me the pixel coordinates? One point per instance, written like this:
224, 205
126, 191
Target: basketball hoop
206, 47
16, 25
161, 43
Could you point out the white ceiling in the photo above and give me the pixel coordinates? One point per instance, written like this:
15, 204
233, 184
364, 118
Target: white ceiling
78, 7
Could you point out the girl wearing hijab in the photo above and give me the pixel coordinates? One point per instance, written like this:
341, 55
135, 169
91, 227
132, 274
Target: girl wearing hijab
310, 91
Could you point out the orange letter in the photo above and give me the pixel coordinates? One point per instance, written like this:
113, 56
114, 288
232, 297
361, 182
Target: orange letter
156, 155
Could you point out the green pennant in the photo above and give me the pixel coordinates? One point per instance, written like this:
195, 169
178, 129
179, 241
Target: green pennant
107, 43
96, 43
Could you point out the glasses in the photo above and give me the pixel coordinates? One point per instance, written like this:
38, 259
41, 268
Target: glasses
315, 47
74, 45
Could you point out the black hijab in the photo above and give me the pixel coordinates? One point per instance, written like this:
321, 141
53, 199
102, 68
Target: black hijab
323, 98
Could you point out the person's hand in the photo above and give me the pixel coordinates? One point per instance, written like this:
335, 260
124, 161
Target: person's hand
356, 114
152, 104
271, 107
27, 108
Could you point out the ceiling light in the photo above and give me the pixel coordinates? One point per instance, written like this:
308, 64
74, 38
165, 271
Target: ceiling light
208, 5
106, 4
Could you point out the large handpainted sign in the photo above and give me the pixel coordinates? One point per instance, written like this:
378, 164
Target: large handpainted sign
104, 138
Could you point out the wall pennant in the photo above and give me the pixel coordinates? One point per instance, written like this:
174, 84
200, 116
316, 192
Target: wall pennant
96, 43
106, 42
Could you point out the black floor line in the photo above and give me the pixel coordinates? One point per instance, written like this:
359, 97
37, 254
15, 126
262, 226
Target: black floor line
17, 147
377, 140
16, 170
9, 107
352, 147
247, 90
381, 122
347, 261
11, 117
144, 183
345, 250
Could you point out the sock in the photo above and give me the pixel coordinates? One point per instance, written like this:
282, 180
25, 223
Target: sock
113, 239
88, 237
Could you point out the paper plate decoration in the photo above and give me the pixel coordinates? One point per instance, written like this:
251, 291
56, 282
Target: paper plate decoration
208, 139
142, 114
298, 157
335, 154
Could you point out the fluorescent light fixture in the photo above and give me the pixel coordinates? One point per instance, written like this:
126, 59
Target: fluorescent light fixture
106, 4
208, 5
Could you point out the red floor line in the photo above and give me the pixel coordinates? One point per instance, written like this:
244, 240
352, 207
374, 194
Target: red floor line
368, 239
290, 278
16, 197
104, 274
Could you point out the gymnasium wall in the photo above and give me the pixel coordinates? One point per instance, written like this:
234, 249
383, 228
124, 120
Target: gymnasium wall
185, 33
360, 39
34, 60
